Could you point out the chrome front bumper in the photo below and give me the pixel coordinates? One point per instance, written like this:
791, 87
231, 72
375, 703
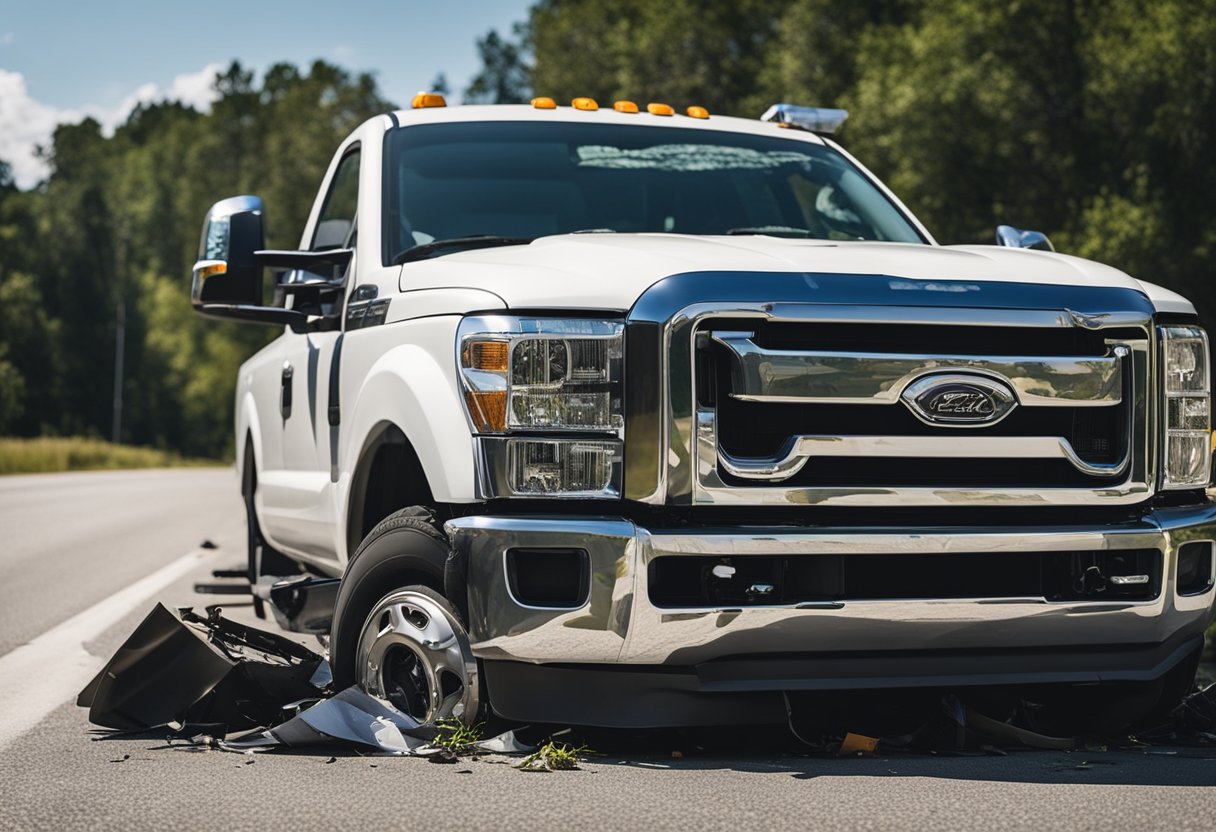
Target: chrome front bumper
618, 626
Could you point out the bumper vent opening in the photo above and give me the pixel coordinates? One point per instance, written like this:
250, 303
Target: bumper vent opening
1194, 568
763, 580
549, 578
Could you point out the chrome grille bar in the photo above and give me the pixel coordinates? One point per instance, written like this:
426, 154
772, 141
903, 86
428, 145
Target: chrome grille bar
820, 377
805, 448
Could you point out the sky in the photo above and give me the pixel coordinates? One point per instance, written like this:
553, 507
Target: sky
62, 61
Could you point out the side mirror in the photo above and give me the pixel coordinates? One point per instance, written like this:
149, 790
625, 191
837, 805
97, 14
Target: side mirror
228, 270
1007, 235
227, 279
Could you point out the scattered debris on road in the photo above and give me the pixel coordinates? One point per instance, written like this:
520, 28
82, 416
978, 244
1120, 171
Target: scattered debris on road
220, 684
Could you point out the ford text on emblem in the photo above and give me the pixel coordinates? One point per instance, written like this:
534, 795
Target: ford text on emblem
959, 399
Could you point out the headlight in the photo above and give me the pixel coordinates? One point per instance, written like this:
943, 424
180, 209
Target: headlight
550, 377
1188, 437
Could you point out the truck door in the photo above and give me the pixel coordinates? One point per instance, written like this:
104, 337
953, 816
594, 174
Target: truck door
297, 508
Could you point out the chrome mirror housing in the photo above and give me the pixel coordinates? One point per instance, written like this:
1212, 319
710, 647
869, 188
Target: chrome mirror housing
228, 271
1007, 235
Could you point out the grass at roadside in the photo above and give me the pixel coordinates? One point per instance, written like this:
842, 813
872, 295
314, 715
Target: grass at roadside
73, 453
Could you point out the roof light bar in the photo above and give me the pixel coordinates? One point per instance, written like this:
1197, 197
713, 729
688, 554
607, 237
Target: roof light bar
814, 119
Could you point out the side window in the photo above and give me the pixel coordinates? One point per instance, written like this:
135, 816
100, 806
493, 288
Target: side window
338, 213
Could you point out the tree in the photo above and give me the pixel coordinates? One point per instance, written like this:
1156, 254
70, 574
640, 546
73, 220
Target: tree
503, 78
116, 222
439, 84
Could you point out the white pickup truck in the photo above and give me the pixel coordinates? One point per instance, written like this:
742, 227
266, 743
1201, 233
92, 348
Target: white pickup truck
628, 416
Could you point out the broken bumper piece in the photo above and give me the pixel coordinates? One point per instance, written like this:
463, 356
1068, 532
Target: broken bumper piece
219, 682
301, 603
192, 669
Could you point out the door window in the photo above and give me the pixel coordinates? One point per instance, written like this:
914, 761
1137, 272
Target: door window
337, 218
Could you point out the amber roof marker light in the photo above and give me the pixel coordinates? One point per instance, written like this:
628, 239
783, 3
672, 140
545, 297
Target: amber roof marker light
544, 102
584, 104
625, 106
428, 99
697, 112
656, 109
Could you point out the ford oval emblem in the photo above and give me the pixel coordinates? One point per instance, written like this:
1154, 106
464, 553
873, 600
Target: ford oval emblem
959, 399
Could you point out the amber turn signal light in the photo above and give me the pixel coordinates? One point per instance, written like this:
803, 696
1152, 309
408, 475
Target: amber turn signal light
490, 356
488, 409
204, 270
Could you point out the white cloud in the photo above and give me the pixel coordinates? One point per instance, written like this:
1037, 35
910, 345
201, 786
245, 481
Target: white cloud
26, 123
194, 88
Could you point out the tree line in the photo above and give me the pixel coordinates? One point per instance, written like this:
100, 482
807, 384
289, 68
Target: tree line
1091, 121
109, 237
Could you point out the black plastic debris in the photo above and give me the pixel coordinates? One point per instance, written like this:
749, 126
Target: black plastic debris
301, 603
199, 670
238, 572
220, 684
1197, 711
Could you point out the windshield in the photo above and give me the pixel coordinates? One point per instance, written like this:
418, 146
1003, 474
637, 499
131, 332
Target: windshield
522, 180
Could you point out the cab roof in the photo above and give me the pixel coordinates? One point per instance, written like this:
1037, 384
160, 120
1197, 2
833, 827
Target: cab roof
603, 115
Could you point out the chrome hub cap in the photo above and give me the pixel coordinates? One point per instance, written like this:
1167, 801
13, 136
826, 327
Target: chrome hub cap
414, 655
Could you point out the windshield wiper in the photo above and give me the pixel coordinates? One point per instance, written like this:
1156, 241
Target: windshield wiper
425, 250
771, 231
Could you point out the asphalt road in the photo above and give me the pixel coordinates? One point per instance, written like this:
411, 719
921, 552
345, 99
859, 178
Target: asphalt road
82, 548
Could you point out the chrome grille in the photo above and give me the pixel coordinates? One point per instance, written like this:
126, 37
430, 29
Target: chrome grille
784, 415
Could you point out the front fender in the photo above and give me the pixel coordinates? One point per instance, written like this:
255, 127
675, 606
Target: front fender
413, 386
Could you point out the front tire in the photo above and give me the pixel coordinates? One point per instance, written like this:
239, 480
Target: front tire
397, 572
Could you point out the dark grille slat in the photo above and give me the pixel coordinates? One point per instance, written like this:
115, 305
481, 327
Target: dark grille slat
689, 581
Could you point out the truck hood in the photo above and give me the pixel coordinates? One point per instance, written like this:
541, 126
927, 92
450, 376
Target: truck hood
610, 271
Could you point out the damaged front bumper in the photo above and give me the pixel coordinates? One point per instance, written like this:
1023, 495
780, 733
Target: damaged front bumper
577, 620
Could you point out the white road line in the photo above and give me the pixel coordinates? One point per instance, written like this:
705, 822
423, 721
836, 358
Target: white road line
38, 677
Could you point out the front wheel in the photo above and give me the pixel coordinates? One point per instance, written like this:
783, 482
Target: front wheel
413, 652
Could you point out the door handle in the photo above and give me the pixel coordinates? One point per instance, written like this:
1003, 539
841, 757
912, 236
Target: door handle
285, 392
